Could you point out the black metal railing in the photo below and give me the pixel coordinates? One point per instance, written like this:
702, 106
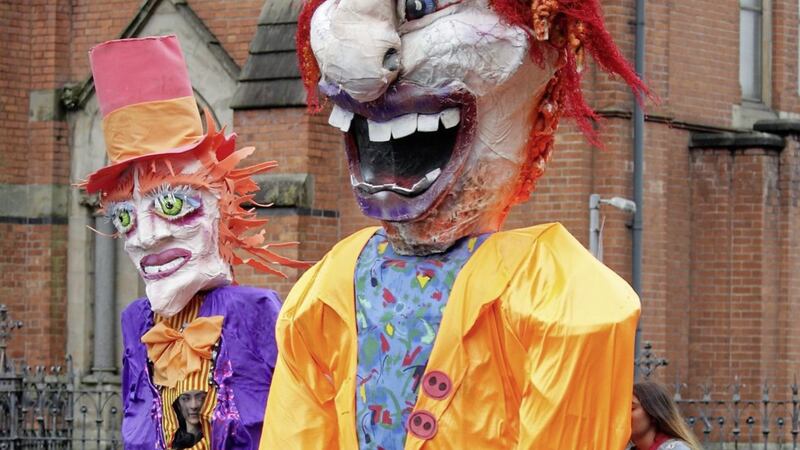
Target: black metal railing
52, 408
738, 416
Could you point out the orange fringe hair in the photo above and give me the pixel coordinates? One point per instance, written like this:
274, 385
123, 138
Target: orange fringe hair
240, 231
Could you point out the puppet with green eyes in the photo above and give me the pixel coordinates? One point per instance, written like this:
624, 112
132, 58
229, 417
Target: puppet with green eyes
198, 352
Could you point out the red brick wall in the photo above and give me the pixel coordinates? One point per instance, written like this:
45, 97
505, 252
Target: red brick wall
785, 50
33, 265
233, 22
703, 34
562, 194
737, 266
33, 256
302, 144
787, 258
94, 22
673, 259
15, 72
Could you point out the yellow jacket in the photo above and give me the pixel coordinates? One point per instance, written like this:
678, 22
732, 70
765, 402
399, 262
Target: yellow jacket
536, 338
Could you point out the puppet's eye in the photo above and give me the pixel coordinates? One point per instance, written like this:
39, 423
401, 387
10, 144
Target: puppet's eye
170, 205
122, 217
173, 204
416, 9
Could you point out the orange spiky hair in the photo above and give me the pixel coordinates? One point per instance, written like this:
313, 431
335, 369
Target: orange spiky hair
240, 231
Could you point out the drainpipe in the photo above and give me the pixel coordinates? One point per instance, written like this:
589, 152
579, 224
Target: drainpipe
638, 173
594, 226
104, 311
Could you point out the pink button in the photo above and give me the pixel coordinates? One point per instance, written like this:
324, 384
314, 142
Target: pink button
422, 424
436, 385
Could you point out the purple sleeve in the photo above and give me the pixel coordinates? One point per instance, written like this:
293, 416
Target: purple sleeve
138, 430
245, 363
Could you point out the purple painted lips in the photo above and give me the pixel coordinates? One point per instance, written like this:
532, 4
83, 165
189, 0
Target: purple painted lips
405, 149
164, 264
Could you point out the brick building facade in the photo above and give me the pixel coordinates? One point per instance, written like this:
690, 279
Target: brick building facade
721, 287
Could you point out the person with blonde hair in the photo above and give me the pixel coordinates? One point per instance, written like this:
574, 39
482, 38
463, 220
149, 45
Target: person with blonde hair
656, 423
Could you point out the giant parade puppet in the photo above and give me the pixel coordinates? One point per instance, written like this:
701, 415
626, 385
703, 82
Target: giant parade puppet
198, 352
437, 330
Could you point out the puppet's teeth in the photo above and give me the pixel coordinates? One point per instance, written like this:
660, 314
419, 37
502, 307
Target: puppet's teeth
428, 123
404, 125
426, 182
451, 117
379, 131
340, 118
421, 185
150, 270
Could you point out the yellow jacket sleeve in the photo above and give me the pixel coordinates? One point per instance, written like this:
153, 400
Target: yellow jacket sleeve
576, 320
300, 411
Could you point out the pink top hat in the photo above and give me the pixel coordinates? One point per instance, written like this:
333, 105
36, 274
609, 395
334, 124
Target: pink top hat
147, 103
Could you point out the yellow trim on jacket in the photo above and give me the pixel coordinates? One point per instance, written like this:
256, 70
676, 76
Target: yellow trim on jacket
537, 338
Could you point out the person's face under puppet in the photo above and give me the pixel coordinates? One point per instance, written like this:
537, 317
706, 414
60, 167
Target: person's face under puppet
190, 403
170, 226
437, 99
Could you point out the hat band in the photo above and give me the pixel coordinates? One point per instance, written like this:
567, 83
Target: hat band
152, 127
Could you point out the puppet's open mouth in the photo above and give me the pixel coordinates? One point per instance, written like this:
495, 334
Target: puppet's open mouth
406, 149
405, 155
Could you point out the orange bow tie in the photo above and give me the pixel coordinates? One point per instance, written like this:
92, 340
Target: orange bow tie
175, 354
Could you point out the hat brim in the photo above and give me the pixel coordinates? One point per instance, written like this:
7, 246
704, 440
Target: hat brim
109, 175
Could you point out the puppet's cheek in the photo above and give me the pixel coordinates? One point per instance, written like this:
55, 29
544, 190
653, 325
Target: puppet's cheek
471, 49
505, 115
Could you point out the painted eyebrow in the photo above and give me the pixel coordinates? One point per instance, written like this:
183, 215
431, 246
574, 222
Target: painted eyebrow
176, 182
172, 187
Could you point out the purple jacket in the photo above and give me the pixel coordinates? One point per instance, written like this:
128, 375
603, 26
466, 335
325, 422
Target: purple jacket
243, 370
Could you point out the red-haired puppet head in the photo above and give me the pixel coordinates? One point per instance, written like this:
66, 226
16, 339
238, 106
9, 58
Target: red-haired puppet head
173, 190
450, 106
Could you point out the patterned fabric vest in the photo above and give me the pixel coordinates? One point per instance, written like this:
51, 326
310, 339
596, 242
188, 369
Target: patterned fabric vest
399, 305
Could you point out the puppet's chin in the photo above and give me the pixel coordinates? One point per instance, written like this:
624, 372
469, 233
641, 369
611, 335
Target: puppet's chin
168, 296
477, 203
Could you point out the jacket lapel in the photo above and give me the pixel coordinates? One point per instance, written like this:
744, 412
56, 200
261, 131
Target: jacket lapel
481, 282
335, 289
474, 290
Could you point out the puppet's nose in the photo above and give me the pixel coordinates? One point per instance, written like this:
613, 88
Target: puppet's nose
357, 46
149, 232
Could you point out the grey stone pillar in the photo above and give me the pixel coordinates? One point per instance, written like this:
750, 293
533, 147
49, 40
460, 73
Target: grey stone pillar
105, 316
